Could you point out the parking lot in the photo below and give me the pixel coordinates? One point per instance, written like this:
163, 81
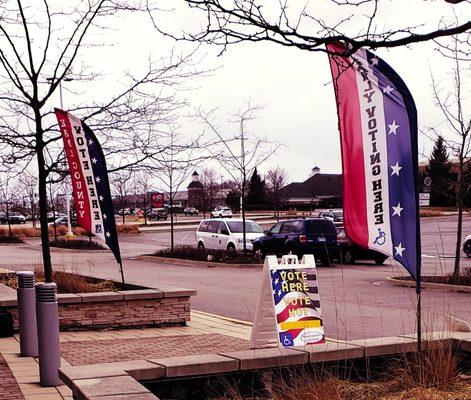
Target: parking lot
356, 300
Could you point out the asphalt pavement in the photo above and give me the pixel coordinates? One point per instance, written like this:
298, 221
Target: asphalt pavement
356, 300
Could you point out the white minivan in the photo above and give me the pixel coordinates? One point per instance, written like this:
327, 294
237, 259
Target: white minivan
221, 234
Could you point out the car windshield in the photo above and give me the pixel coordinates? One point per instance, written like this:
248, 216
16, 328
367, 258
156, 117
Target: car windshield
338, 213
250, 227
320, 226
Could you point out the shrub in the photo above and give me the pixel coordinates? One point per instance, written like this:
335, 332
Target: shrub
73, 282
193, 253
426, 212
6, 238
78, 244
127, 228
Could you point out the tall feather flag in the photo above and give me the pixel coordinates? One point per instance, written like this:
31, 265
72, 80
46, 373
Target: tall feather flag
378, 130
91, 187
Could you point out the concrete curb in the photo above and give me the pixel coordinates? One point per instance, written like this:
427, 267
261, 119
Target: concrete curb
193, 263
118, 379
429, 285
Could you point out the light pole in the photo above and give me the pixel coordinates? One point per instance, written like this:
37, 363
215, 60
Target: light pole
69, 233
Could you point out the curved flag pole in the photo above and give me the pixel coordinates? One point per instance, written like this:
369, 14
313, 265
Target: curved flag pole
378, 132
90, 183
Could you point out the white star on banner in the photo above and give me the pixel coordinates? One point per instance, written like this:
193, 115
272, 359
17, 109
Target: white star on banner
397, 210
105, 216
395, 169
393, 128
90, 142
98, 179
100, 198
107, 234
399, 249
94, 160
374, 61
388, 89
274, 291
279, 292
276, 281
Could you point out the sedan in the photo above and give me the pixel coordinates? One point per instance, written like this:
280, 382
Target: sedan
350, 252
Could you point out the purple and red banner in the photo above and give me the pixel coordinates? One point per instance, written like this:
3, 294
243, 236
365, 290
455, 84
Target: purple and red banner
91, 188
378, 129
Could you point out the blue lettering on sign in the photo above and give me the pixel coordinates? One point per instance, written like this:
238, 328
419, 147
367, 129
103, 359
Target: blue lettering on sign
286, 339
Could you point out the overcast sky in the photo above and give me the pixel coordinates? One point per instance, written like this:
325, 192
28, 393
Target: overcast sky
293, 85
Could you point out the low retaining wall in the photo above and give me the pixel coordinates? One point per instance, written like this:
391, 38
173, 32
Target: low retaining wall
115, 310
124, 379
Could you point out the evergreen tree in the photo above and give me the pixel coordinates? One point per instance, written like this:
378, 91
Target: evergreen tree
256, 196
233, 199
439, 170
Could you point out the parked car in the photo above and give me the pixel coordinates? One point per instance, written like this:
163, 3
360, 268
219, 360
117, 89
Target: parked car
316, 236
190, 211
158, 214
336, 216
218, 234
63, 221
467, 245
221, 212
13, 218
350, 252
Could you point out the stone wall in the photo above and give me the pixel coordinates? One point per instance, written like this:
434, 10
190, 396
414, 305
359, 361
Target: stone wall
117, 310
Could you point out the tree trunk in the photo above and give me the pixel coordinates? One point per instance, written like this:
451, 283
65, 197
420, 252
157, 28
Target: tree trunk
242, 193
42, 191
459, 228
10, 233
172, 244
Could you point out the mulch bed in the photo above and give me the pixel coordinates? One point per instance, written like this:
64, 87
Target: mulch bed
447, 280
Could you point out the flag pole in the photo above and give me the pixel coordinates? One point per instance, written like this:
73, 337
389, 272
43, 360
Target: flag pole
122, 272
419, 323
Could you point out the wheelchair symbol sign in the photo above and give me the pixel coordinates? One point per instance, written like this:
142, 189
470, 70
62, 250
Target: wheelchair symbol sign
381, 238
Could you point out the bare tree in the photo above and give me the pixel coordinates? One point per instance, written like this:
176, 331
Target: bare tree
121, 182
239, 164
29, 188
211, 188
143, 188
309, 26
452, 104
7, 197
173, 167
276, 179
40, 48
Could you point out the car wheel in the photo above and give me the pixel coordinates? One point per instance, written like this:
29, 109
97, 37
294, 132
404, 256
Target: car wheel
258, 253
381, 259
347, 256
231, 249
201, 246
467, 248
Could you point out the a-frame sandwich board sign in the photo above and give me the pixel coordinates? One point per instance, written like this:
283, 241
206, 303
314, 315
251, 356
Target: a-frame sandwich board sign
288, 311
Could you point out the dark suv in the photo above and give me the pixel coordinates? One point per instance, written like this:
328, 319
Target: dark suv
316, 236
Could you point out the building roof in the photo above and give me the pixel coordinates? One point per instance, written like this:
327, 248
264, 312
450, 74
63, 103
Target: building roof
195, 185
319, 185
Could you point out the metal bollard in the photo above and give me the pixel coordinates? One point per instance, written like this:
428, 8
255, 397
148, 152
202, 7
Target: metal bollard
27, 314
48, 334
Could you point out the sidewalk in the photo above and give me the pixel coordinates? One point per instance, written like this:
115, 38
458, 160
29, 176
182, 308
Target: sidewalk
206, 333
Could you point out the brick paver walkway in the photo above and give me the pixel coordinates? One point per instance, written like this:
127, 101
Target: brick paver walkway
107, 351
9, 389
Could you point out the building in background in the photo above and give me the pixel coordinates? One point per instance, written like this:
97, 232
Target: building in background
318, 191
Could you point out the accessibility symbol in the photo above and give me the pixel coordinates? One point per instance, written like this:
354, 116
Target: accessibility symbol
286, 339
381, 238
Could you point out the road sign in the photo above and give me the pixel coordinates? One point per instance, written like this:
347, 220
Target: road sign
424, 199
288, 313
